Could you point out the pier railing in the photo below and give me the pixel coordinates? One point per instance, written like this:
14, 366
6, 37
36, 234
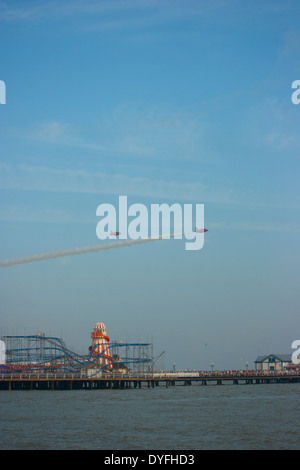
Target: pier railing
156, 375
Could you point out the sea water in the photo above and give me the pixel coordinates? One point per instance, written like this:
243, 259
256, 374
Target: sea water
196, 417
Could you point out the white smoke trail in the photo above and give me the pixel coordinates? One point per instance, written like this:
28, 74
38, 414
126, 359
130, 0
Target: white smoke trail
79, 251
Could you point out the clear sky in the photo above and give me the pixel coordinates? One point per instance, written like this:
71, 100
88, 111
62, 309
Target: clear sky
162, 101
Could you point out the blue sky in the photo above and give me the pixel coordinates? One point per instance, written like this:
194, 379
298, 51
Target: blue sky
162, 101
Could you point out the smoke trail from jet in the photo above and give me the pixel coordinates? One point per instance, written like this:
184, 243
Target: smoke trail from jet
80, 251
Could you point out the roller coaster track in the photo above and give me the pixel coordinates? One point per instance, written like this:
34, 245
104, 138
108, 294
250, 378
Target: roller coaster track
39, 352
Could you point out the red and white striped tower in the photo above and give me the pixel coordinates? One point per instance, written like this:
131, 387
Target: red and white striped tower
99, 346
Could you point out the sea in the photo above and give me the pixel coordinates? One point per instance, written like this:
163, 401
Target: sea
187, 418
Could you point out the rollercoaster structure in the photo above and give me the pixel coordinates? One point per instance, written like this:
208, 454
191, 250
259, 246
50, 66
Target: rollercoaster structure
45, 353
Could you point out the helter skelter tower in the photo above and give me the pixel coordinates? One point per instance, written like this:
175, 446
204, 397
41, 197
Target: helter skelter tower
100, 346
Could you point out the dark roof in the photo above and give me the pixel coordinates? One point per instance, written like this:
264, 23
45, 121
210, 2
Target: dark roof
281, 357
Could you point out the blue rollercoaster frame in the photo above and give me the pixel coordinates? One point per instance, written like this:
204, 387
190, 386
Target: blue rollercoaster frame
51, 354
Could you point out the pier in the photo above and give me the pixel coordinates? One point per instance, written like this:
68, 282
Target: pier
49, 381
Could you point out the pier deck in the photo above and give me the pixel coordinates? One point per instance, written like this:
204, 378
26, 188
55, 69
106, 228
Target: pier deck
118, 381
